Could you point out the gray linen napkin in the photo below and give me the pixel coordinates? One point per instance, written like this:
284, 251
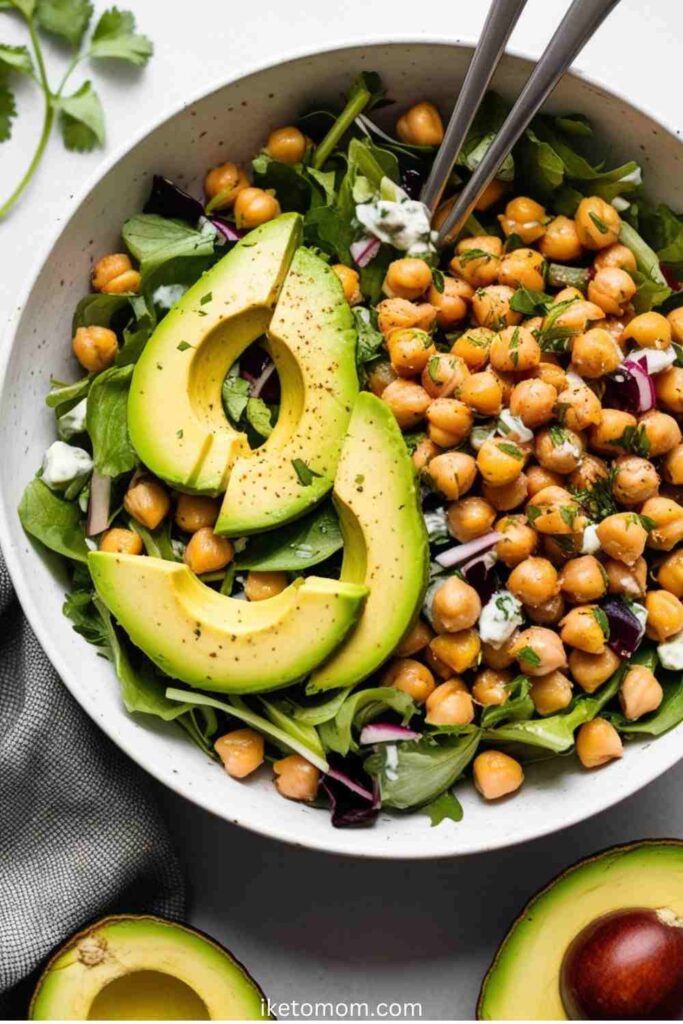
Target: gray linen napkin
79, 834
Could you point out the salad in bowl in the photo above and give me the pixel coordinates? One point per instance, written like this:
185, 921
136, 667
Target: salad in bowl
370, 516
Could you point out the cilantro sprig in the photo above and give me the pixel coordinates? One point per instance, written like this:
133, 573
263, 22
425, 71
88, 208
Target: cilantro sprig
79, 113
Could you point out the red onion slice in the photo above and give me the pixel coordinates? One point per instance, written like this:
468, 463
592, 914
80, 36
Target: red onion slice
386, 732
98, 504
463, 552
365, 250
260, 382
229, 232
637, 367
355, 787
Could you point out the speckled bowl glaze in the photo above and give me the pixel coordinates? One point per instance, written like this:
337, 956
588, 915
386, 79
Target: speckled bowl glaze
230, 122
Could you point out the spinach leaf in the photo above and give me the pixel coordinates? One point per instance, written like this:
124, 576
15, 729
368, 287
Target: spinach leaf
289, 181
445, 807
62, 397
664, 230
56, 523
320, 711
370, 340
235, 394
80, 607
260, 416
98, 310
153, 240
360, 708
296, 546
107, 421
423, 770
668, 714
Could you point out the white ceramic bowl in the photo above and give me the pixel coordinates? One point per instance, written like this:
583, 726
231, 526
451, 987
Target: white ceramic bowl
231, 123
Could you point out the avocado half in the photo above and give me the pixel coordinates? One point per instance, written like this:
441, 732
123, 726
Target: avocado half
523, 982
145, 968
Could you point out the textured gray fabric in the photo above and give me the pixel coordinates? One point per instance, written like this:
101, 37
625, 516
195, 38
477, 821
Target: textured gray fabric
79, 834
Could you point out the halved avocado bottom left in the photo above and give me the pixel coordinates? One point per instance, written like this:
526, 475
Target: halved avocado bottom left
145, 968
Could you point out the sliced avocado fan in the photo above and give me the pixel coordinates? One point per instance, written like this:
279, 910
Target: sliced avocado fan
385, 541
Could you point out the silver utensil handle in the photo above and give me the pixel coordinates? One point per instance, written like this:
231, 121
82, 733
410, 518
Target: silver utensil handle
500, 21
578, 25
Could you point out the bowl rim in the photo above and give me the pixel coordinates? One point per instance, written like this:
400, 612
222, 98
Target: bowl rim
14, 560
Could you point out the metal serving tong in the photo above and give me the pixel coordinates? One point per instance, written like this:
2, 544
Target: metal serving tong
582, 19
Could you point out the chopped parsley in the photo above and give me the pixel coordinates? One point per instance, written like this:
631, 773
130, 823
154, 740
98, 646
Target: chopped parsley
529, 655
305, 474
183, 346
558, 435
634, 440
602, 621
474, 254
438, 280
597, 501
510, 449
205, 298
600, 224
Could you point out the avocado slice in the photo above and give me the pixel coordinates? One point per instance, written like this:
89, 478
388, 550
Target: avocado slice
313, 344
523, 981
220, 643
385, 541
145, 968
175, 413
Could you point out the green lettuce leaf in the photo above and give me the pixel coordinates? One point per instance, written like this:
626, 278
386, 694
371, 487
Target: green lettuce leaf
56, 523
360, 708
107, 422
420, 771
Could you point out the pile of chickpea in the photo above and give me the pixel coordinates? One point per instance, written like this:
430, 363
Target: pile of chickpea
522, 489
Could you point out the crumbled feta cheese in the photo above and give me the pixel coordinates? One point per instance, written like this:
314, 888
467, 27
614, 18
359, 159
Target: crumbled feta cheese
513, 427
391, 762
569, 448
640, 612
500, 617
73, 422
62, 463
397, 220
480, 434
590, 542
671, 653
166, 295
658, 359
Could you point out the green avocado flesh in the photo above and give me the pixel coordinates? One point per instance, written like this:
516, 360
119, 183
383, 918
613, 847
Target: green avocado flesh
220, 643
523, 982
313, 344
175, 412
385, 541
143, 968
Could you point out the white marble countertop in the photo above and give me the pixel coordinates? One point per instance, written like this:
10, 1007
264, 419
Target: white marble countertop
309, 926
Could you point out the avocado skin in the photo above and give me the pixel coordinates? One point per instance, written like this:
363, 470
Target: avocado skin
504, 991
250, 1004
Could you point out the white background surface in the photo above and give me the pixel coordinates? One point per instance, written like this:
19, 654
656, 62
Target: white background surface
309, 926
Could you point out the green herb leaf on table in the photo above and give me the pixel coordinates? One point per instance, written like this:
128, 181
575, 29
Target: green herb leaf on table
115, 38
296, 546
107, 422
66, 19
15, 58
56, 523
81, 119
8, 111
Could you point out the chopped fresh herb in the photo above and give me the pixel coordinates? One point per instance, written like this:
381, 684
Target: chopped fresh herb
530, 303
597, 501
510, 449
533, 512
473, 254
558, 435
600, 224
205, 298
438, 280
647, 523
180, 434
183, 346
305, 474
601, 620
514, 347
360, 479
529, 655
634, 440
433, 369
568, 514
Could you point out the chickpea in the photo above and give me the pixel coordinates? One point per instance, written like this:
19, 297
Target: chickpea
453, 474
581, 627
193, 511
561, 241
449, 704
664, 615
635, 480
408, 402
568, 294
525, 218
639, 693
407, 278
507, 382
538, 478
496, 774
592, 670
558, 549
675, 318
121, 542
616, 255
534, 581
450, 421
114, 275
575, 317
494, 191
409, 676
597, 223
444, 375
662, 432
95, 347
603, 437
424, 452
421, 125
380, 375
392, 314
454, 652
550, 372
554, 511
455, 606
262, 585
491, 307
517, 542
255, 206
624, 579
477, 260
287, 145
667, 516
611, 289
297, 779
470, 518
410, 351
473, 347
583, 579
415, 640
579, 405
598, 742
500, 461
595, 353
350, 282
514, 350
559, 449
547, 614
508, 496
148, 502
551, 693
649, 330
241, 752
670, 573
622, 537
207, 552
451, 304
223, 184
483, 393
673, 466
587, 474
533, 401
490, 687
523, 268
539, 651
669, 389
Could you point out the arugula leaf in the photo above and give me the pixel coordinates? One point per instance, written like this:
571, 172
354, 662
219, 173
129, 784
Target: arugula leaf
235, 395
421, 770
15, 58
157, 542
27, 7
67, 19
81, 119
445, 807
487, 123
115, 38
518, 707
652, 286
296, 546
107, 421
357, 710
56, 523
86, 620
154, 240
320, 711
